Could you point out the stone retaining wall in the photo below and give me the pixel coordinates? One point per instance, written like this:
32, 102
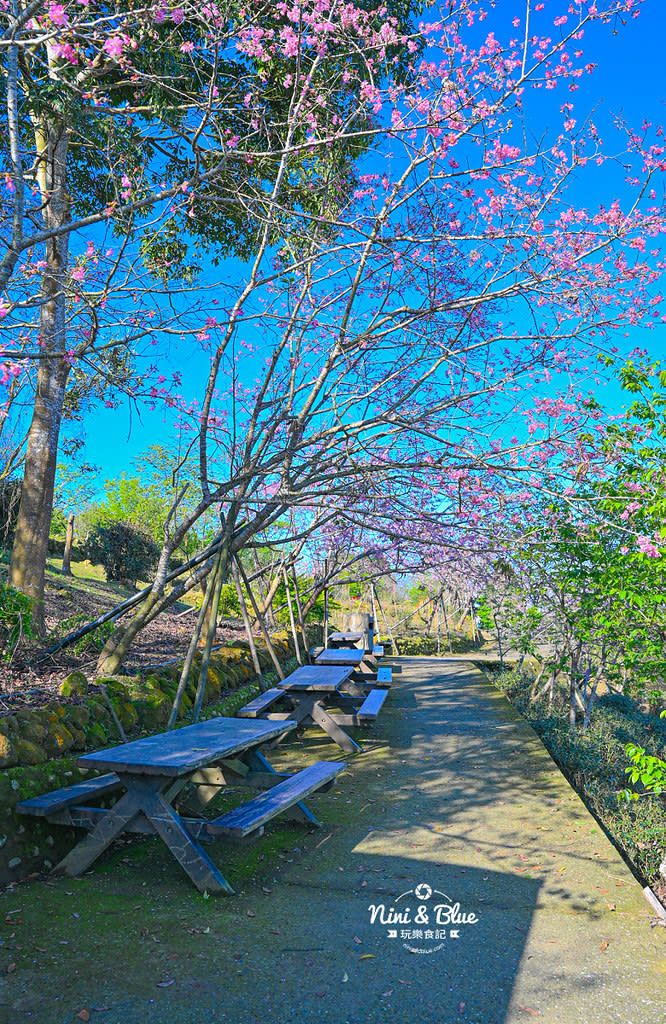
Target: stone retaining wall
39, 746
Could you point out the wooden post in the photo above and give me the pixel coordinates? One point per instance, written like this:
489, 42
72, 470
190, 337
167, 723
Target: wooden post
439, 628
248, 626
326, 603
297, 645
446, 624
69, 540
260, 620
386, 621
375, 620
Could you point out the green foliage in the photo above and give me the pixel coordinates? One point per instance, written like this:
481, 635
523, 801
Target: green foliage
650, 771
229, 603
134, 502
91, 642
15, 619
126, 553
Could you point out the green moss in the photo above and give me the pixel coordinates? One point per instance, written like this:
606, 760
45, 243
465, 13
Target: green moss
8, 752
74, 685
30, 753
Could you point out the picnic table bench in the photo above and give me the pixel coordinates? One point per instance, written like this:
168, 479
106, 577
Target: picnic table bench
154, 772
323, 695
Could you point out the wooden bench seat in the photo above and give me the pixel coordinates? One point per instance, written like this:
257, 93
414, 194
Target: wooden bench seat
253, 814
372, 705
384, 675
378, 651
257, 706
50, 803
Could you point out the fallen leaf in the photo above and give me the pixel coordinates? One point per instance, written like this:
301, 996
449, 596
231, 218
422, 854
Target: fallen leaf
528, 1009
611, 906
368, 956
389, 992
250, 913
83, 1015
266, 889
345, 977
10, 968
401, 982
165, 984
461, 1007
357, 940
603, 946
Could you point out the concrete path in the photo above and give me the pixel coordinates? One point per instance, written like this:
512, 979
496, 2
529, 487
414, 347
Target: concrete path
454, 804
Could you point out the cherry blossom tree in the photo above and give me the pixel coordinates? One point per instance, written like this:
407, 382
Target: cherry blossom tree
419, 273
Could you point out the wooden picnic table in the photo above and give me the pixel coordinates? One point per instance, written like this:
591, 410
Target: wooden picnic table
340, 656
308, 695
155, 770
343, 639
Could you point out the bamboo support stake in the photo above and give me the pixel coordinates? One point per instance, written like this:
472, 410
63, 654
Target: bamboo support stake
220, 575
260, 620
301, 620
189, 657
248, 626
297, 645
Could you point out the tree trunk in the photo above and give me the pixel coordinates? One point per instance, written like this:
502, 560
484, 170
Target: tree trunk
28, 562
69, 540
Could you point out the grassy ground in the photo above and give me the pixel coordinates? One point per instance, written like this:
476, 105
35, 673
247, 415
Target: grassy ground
594, 761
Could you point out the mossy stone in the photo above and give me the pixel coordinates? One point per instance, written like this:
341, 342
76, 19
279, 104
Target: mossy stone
29, 752
8, 752
79, 714
126, 713
58, 741
96, 734
8, 725
32, 729
74, 685
153, 711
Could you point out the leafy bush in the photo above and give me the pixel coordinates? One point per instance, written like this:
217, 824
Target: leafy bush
15, 619
126, 553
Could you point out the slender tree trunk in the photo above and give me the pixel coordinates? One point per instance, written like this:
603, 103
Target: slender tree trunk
28, 562
69, 540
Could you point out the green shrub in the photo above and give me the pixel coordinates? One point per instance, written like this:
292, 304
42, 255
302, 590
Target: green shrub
126, 553
15, 619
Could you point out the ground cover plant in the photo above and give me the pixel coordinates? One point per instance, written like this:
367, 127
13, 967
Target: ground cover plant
595, 763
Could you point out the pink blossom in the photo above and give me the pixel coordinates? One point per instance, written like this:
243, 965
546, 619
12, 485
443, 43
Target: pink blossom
178, 16
79, 273
57, 14
114, 46
646, 545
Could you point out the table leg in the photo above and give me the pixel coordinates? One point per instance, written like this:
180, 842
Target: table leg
194, 861
96, 842
143, 797
331, 728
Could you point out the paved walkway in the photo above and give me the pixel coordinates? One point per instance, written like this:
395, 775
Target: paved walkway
455, 798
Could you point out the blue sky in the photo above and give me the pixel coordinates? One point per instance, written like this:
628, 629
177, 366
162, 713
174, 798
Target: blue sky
629, 80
